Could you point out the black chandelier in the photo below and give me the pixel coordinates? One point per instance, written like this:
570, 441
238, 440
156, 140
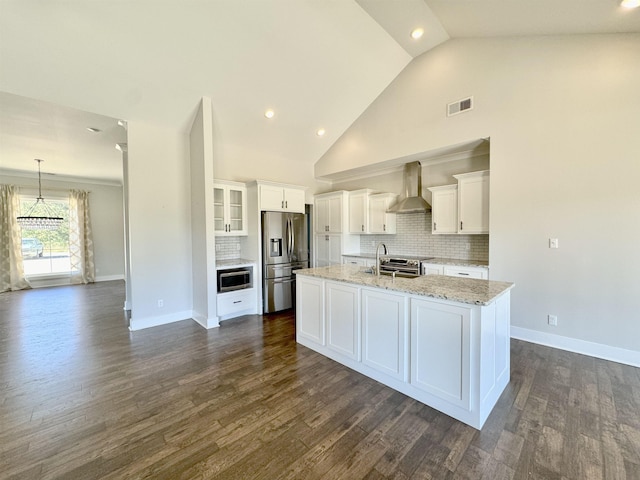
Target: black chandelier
46, 220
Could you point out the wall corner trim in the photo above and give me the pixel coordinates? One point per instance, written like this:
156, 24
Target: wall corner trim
211, 322
598, 350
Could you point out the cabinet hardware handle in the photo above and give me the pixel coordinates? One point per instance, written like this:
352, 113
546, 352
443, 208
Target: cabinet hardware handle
286, 204
326, 229
326, 237
460, 225
363, 228
434, 226
462, 273
282, 204
384, 227
238, 301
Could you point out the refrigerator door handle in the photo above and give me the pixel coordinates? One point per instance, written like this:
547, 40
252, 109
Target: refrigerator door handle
293, 237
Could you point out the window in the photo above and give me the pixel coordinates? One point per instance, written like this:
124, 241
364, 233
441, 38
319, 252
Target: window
46, 252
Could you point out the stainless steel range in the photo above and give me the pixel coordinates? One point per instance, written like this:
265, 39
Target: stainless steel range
403, 266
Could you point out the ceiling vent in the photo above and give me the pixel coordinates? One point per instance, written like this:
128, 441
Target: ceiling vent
460, 106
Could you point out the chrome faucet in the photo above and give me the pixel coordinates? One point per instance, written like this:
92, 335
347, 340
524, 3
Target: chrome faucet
378, 256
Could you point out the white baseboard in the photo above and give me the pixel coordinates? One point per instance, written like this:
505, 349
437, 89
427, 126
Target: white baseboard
204, 321
140, 323
108, 278
598, 350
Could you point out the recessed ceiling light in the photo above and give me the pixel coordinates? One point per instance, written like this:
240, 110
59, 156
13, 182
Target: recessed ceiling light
321, 132
630, 3
269, 113
94, 129
416, 33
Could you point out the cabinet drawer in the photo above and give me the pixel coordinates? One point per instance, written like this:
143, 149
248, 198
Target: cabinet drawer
233, 302
467, 272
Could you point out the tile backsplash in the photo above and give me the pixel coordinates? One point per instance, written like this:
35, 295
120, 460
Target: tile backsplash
227, 248
413, 237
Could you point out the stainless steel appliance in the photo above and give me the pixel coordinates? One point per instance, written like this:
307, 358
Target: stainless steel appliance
230, 279
284, 249
403, 266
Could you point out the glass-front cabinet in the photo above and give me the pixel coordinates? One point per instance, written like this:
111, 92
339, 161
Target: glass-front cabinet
230, 208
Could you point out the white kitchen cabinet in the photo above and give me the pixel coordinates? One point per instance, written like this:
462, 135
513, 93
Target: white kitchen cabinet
280, 198
359, 211
473, 202
331, 212
358, 260
328, 249
342, 309
444, 209
381, 222
234, 304
440, 350
310, 294
384, 333
432, 269
229, 208
468, 272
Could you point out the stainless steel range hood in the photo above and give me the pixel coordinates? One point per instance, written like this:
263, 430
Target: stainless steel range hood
412, 200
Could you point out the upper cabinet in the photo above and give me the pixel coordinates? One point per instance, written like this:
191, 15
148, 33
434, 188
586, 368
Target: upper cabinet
462, 208
444, 209
368, 212
359, 211
281, 198
229, 208
473, 202
379, 220
330, 212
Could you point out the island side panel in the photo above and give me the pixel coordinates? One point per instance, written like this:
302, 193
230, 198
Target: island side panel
310, 324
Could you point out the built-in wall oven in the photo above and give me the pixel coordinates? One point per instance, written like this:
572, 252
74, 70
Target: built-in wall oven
230, 279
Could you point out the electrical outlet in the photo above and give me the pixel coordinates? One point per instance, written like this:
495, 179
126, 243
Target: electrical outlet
160, 303
552, 320
553, 243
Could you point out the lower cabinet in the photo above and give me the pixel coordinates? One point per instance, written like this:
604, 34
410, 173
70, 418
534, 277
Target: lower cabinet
310, 322
342, 312
440, 353
233, 304
384, 333
469, 272
451, 356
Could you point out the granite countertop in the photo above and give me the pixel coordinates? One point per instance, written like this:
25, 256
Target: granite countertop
463, 290
435, 260
233, 262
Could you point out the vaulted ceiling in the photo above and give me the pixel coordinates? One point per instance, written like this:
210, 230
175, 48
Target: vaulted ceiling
67, 65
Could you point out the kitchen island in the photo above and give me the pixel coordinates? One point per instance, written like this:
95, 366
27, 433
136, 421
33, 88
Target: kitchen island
441, 340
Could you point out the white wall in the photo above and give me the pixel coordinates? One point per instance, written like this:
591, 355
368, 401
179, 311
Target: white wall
107, 219
160, 225
562, 115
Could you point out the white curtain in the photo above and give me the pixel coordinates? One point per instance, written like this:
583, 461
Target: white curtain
80, 238
11, 266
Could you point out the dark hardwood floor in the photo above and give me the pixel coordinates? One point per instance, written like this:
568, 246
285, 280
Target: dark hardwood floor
84, 398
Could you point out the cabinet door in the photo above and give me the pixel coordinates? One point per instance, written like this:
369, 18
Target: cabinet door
293, 200
321, 248
473, 204
358, 218
432, 269
343, 319
237, 210
444, 210
310, 309
271, 198
384, 333
321, 215
380, 221
335, 249
335, 207
440, 353
219, 206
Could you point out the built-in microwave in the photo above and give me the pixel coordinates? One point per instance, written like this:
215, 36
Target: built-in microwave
230, 279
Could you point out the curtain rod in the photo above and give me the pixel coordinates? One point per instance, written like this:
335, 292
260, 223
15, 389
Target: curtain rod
52, 189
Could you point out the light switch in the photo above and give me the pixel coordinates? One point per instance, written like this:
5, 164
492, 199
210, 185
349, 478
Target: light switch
553, 243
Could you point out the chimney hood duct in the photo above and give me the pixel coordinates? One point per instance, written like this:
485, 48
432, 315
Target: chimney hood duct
412, 201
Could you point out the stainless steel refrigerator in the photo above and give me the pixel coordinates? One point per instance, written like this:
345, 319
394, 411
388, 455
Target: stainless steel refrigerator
285, 248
